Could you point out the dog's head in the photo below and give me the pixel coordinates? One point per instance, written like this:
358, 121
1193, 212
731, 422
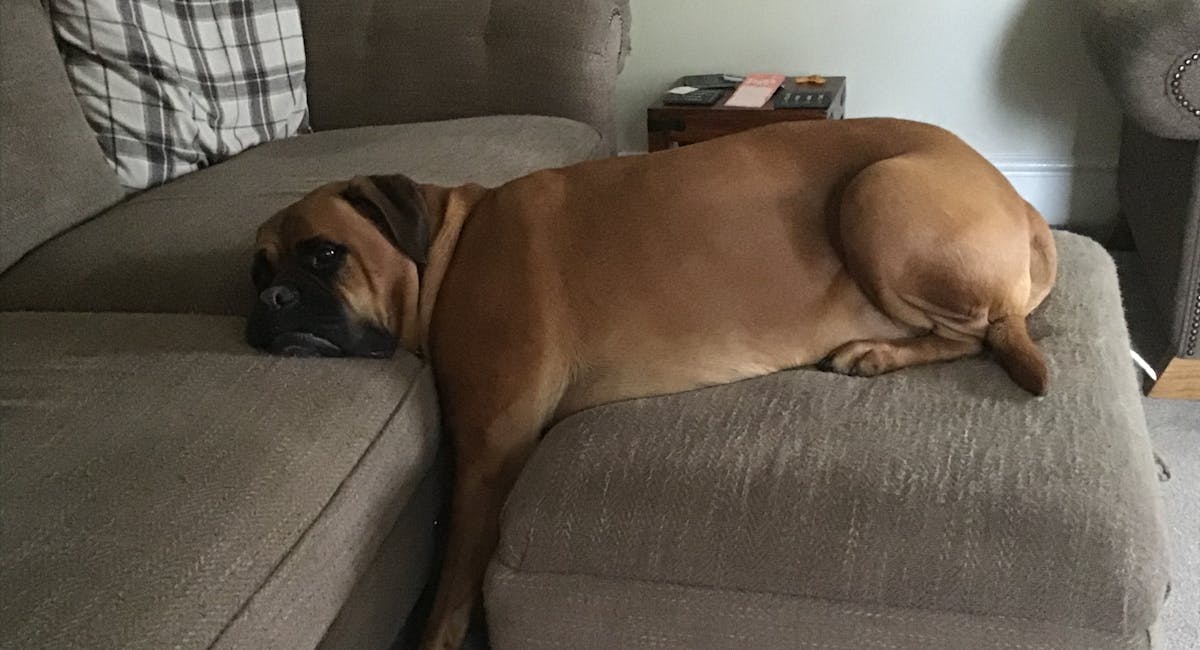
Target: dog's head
337, 272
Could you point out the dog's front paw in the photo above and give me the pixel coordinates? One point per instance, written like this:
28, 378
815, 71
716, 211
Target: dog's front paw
861, 359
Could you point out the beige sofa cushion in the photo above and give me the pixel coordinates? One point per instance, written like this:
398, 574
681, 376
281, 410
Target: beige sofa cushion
161, 485
187, 246
52, 172
935, 507
382, 603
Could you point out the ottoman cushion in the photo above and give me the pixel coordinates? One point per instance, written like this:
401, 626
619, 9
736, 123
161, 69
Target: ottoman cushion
937, 506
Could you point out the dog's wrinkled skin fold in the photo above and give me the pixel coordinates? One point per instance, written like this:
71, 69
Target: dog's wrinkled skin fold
863, 246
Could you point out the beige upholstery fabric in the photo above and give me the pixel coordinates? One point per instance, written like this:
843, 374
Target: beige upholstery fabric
187, 246
938, 506
548, 611
390, 62
383, 599
52, 172
161, 485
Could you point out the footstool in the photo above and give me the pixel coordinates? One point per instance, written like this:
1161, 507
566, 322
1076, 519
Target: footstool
936, 507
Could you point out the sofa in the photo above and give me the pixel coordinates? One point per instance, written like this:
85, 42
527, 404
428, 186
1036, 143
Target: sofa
1149, 55
161, 483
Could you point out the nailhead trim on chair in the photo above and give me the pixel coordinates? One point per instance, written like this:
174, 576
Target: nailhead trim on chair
1177, 85
1191, 343
1186, 104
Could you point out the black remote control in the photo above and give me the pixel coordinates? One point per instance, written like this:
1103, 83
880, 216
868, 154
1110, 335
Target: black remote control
710, 80
702, 97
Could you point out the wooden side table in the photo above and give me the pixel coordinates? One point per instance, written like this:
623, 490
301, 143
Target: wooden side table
668, 126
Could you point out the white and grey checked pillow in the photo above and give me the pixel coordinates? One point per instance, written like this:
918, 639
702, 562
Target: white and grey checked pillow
171, 86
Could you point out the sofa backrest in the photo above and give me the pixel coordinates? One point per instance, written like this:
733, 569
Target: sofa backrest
52, 172
394, 61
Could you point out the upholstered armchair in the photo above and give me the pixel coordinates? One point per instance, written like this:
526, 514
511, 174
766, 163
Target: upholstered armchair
1149, 54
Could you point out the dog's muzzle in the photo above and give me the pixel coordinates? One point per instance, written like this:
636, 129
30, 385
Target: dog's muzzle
281, 324
297, 317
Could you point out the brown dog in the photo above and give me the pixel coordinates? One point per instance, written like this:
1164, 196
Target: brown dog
866, 245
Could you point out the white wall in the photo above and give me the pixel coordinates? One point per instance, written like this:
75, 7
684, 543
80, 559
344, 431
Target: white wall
1009, 76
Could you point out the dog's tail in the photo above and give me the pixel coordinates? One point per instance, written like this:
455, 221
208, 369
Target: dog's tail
1018, 354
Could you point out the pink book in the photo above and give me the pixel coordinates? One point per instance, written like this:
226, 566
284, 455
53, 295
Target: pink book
755, 90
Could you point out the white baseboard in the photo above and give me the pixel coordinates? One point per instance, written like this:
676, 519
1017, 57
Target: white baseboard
1080, 195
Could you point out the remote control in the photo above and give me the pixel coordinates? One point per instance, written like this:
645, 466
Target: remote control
704, 97
710, 81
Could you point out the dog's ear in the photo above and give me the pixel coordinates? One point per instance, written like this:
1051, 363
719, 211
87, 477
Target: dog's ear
396, 206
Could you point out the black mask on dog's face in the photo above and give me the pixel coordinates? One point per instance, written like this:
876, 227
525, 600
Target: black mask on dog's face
318, 296
299, 313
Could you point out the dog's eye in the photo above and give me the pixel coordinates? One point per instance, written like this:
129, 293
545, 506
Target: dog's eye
326, 252
325, 257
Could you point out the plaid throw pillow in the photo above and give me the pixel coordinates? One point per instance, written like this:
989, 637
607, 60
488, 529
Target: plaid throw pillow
173, 86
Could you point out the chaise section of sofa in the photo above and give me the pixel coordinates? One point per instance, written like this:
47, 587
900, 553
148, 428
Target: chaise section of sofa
160, 487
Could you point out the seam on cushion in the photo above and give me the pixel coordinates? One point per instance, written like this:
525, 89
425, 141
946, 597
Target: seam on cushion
383, 428
842, 606
765, 621
846, 607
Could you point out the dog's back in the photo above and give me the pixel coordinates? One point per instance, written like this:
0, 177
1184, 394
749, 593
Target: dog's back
723, 260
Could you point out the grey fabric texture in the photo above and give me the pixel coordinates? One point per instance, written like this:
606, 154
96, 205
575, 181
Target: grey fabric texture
164, 486
1158, 183
530, 611
1142, 47
1174, 427
942, 493
187, 246
393, 62
381, 602
52, 173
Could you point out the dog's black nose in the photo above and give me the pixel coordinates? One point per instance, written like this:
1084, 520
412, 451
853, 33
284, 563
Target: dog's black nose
278, 296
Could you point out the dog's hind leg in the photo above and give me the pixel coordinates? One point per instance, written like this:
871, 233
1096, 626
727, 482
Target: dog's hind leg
495, 424
941, 244
945, 336
870, 358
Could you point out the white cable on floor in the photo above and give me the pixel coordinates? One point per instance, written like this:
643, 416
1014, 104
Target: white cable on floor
1137, 358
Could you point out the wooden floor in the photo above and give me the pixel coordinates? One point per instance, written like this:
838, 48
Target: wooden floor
1180, 380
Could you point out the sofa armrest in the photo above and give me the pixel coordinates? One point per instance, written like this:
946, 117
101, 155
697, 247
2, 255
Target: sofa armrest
1158, 183
390, 61
1149, 54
